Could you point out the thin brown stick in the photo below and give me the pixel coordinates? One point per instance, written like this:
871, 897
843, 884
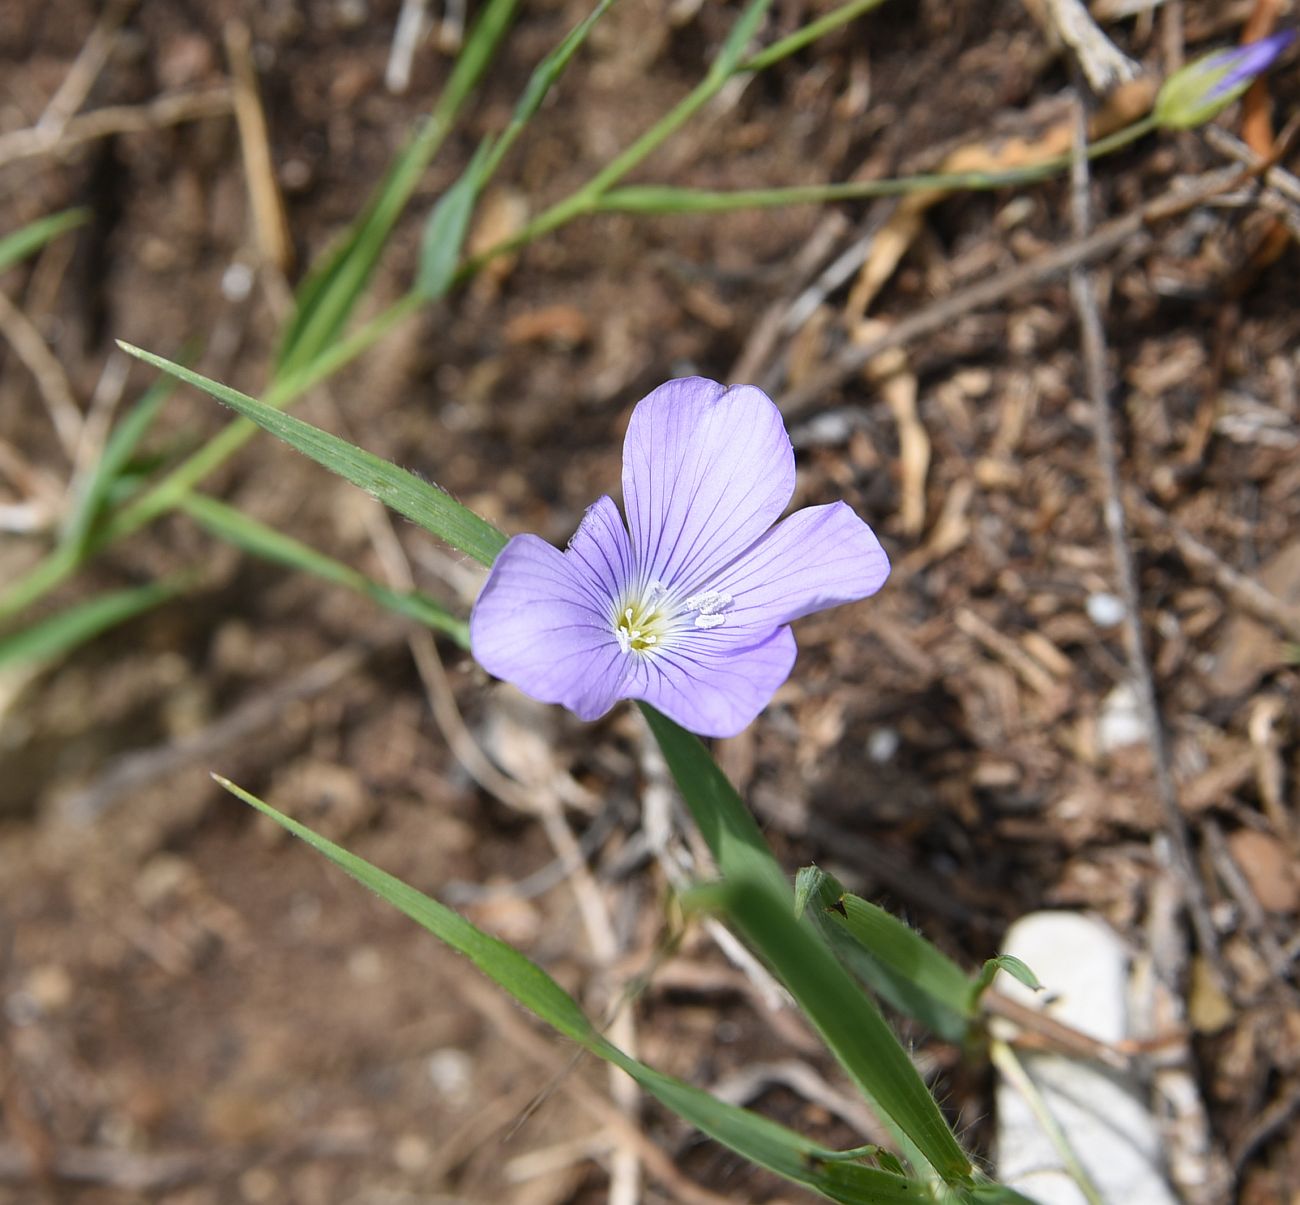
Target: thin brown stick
943, 313
270, 224
167, 110
30, 347
72, 92
1248, 594
1083, 293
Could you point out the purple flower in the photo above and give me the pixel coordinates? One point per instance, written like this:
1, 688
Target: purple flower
690, 610
1194, 94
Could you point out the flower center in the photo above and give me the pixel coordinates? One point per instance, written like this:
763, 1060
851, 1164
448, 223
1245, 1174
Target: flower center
641, 622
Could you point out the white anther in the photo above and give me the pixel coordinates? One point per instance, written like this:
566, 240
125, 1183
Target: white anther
703, 620
710, 602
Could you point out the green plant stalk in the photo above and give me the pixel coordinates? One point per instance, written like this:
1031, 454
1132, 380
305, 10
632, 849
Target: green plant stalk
584, 199
410, 168
653, 198
808, 34
31, 238
256, 538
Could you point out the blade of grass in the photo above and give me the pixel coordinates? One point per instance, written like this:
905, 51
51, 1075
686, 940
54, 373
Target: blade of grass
756, 1138
444, 232
117, 454
55, 637
540, 82
330, 294
660, 198
31, 238
419, 501
847, 1020
256, 538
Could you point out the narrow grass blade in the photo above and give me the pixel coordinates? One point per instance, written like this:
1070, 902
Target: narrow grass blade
740, 36
444, 233
55, 637
330, 293
892, 959
848, 1021
543, 78
31, 238
758, 1139
256, 538
117, 454
728, 827
419, 501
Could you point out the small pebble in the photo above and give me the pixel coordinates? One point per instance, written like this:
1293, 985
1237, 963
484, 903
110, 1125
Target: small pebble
1105, 610
882, 744
237, 282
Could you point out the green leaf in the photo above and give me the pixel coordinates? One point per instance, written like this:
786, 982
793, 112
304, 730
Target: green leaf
1003, 962
419, 501
891, 958
444, 233
55, 637
117, 455
256, 538
764, 1142
728, 827
331, 291
849, 1023
742, 33
539, 85
32, 237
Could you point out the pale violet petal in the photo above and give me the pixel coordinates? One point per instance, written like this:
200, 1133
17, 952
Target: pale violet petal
819, 557
543, 622
712, 691
706, 471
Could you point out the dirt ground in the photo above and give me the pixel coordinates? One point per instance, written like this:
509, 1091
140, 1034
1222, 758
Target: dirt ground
196, 1010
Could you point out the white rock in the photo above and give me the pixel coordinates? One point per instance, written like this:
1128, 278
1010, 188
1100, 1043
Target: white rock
1105, 610
1121, 721
1103, 1114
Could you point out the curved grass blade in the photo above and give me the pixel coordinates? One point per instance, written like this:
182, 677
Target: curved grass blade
256, 538
118, 451
55, 637
419, 501
31, 238
756, 1138
330, 293
444, 233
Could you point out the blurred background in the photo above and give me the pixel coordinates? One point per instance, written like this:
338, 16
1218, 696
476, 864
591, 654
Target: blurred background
194, 1009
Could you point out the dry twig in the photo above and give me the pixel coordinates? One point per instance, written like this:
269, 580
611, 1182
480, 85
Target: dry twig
167, 110
1083, 293
51, 380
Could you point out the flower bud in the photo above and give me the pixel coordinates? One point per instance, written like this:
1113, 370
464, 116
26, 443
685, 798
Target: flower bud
1192, 96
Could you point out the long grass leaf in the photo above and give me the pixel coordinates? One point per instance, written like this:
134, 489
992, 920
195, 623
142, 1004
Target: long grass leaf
59, 634
331, 291
762, 1141
419, 501
117, 453
259, 540
32, 237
